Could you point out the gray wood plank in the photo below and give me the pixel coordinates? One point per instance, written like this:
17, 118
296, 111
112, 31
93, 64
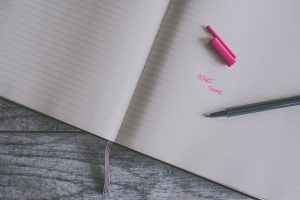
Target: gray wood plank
14, 117
50, 165
41, 158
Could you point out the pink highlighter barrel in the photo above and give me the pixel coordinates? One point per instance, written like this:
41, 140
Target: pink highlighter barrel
221, 47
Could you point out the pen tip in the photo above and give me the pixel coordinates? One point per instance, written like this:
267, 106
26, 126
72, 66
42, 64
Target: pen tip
206, 115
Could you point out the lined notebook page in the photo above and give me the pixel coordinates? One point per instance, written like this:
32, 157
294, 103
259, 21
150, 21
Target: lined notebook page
5, 8
78, 61
184, 78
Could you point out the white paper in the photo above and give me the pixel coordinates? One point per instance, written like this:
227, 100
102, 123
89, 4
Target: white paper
257, 153
78, 61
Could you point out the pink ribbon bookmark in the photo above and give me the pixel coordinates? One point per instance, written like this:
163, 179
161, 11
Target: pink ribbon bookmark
221, 47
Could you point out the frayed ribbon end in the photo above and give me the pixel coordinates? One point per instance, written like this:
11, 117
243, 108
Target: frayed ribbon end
106, 190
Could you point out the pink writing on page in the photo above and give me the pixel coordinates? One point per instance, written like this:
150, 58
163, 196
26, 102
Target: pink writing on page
215, 90
204, 78
207, 80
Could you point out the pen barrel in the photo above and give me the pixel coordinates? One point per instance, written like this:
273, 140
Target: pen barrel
263, 106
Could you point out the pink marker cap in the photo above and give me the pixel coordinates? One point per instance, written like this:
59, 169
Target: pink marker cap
222, 48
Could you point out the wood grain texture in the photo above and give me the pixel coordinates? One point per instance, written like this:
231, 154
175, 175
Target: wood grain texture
41, 158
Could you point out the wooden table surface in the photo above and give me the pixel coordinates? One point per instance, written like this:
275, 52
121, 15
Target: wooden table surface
41, 158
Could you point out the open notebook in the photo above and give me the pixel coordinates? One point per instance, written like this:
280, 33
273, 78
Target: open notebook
132, 72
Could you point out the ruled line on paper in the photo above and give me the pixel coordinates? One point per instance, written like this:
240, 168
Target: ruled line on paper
5, 7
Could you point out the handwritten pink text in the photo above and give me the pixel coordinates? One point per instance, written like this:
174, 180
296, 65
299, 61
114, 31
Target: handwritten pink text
208, 82
204, 78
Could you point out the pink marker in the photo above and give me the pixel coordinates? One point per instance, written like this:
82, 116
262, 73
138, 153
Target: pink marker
221, 47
